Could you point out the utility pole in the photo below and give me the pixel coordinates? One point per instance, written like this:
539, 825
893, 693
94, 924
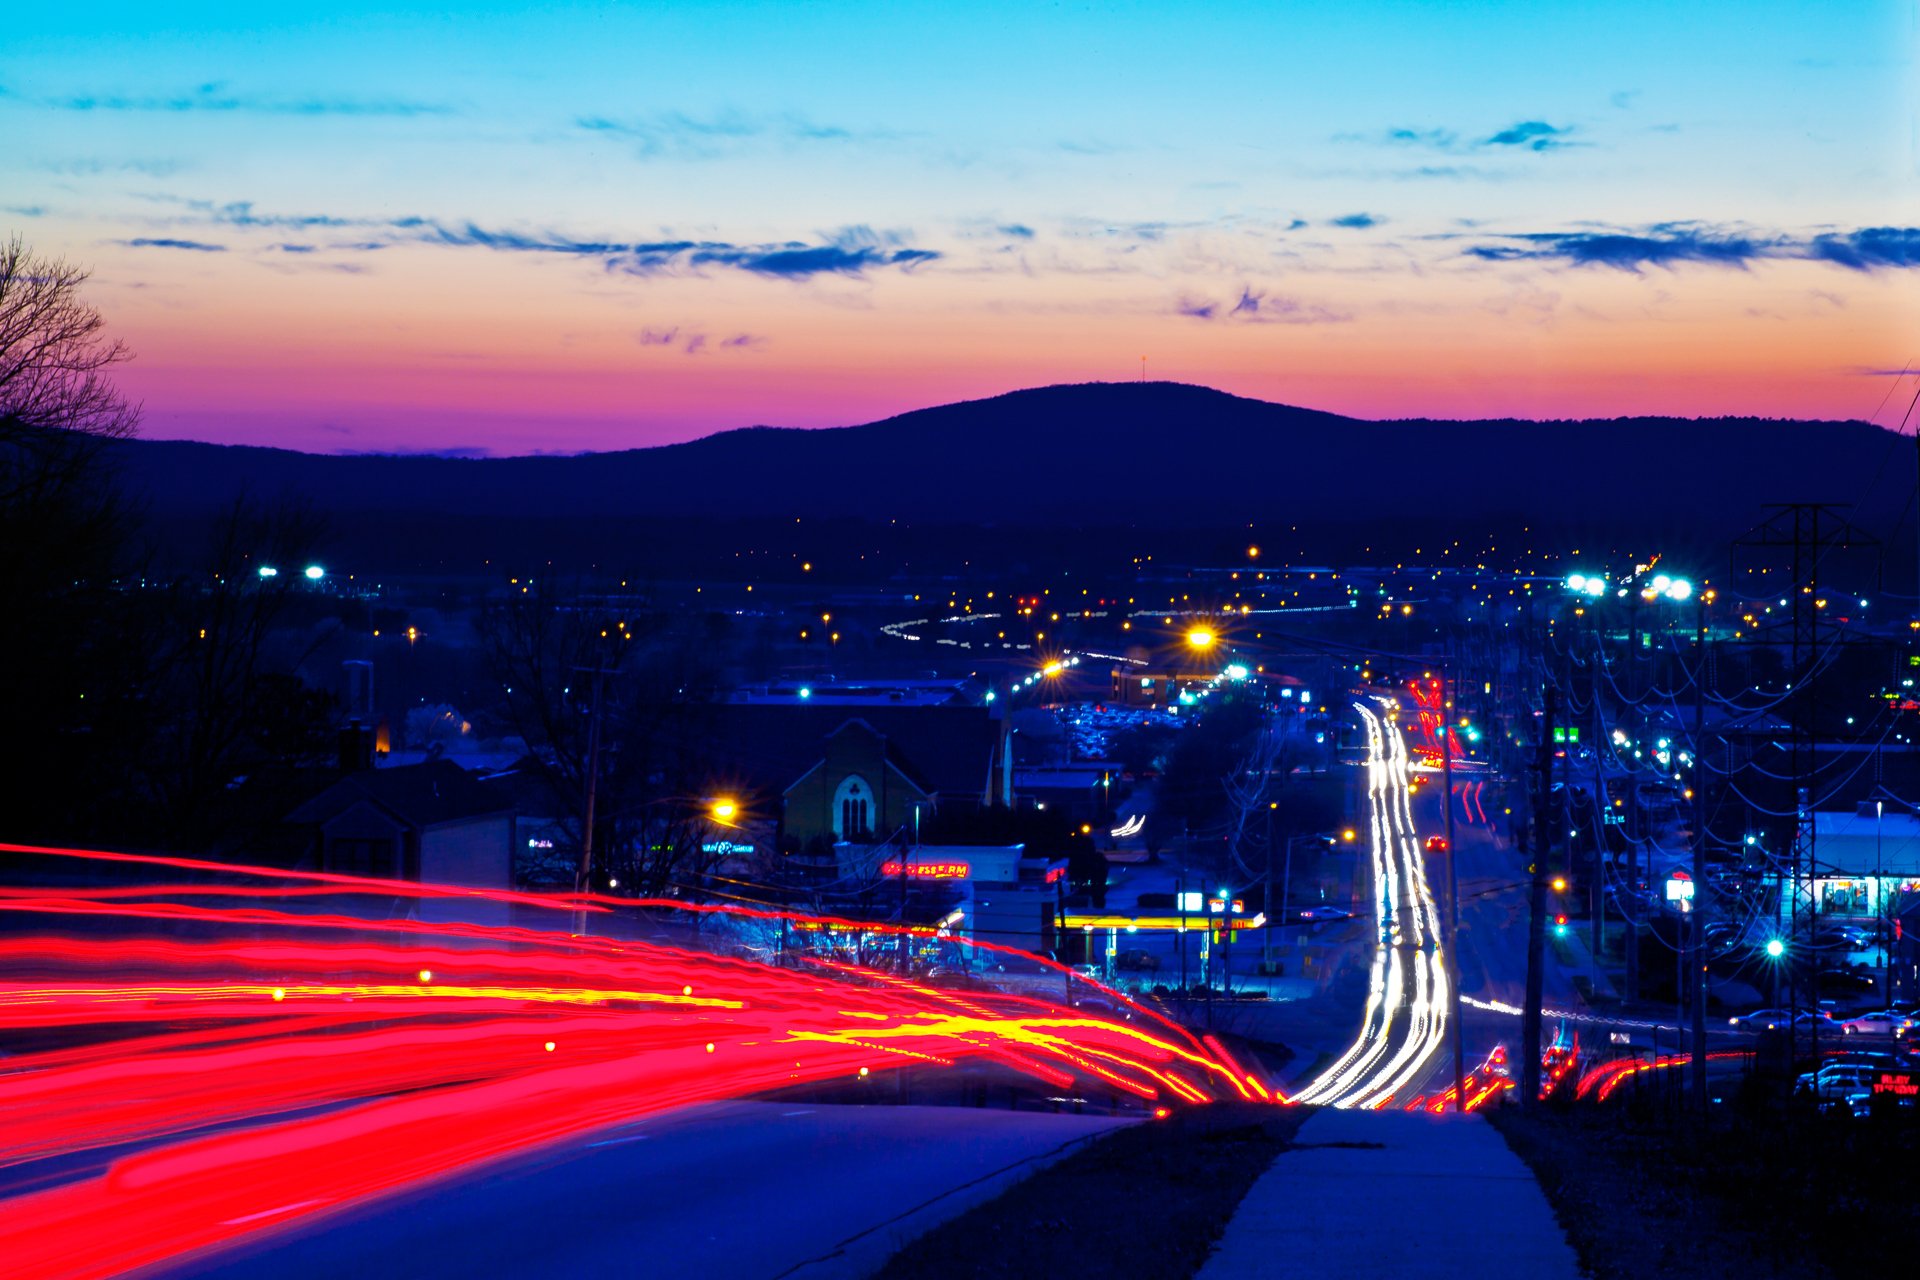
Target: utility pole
1537, 911
1697, 977
1447, 690
583, 878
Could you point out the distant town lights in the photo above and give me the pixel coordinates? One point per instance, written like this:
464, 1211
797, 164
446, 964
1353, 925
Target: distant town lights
268, 571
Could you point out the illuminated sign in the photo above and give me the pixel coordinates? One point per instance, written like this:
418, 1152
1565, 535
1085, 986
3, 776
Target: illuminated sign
1679, 887
1056, 874
537, 843
725, 847
930, 870
1900, 1084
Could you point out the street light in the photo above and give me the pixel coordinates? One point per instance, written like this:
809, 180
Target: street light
724, 810
1200, 638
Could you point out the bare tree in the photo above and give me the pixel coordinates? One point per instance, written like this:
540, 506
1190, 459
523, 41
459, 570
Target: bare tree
70, 675
56, 397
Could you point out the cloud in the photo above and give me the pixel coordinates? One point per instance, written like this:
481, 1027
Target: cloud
852, 251
693, 342
215, 97
679, 135
1440, 139
1527, 135
1534, 135
1017, 230
198, 246
1869, 248
1257, 306
1674, 244
1356, 221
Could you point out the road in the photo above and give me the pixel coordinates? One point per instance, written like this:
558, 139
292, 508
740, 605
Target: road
1404, 1024
749, 1189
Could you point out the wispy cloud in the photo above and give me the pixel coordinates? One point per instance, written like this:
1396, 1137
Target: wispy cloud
1257, 306
1355, 221
852, 251
163, 242
217, 97
1522, 135
680, 135
1674, 244
694, 341
1534, 135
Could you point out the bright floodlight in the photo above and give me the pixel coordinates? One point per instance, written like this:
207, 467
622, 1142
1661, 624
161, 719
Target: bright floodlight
268, 571
724, 810
1660, 582
1679, 589
1776, 948
315, 573
1236, 672
1576, 582
1596, 586
1200, 638
805, 692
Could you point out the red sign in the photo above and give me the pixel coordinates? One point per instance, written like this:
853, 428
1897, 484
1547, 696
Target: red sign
930, 870
1900, 1084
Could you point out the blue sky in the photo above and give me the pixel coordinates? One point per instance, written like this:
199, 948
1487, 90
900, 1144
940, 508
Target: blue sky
1005, 193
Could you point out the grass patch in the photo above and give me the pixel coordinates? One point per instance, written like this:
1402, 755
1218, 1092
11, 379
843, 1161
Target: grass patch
1783, 1192
1147, 1202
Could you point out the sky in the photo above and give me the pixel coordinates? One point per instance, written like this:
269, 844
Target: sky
507, 228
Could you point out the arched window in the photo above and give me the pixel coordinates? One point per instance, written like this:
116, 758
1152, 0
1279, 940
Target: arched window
853, 809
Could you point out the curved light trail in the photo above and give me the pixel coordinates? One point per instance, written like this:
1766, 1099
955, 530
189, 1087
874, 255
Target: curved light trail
1405, 1020
188, 1070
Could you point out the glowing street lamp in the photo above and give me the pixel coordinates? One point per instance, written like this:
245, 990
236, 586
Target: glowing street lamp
268, 571
725, 810
314, 573
1775, 948
1200, 638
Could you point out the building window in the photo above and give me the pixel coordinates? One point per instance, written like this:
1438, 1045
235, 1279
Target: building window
853, 809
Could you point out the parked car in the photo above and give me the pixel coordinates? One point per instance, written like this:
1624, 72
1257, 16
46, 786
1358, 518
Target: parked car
1326, 913
1837, 1082
1877, 1023
1761, 1020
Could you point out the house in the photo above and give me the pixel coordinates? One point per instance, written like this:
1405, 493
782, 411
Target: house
431, 823
837, 774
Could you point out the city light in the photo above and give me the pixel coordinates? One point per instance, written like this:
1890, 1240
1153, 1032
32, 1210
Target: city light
315, 573
1236, 672
1200, 638
268, 571
1775, 948
724, 810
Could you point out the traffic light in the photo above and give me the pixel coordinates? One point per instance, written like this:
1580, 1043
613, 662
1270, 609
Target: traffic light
1560, 925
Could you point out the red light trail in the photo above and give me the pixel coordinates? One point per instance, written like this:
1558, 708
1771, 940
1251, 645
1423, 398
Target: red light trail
209, 1060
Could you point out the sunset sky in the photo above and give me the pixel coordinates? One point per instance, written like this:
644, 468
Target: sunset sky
378, 226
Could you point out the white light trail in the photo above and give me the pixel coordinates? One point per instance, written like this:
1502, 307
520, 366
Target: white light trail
1405, 1020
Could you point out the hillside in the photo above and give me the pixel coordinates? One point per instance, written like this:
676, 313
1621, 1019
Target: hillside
1153, 455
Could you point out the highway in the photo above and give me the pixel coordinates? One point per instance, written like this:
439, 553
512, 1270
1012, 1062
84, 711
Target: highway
1405, 1020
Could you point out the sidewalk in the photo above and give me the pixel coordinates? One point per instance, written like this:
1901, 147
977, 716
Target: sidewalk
1369, 1193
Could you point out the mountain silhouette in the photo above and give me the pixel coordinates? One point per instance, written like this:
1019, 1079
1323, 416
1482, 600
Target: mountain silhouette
1111, 455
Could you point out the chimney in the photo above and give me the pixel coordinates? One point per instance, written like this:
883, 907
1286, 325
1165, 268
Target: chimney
356, 747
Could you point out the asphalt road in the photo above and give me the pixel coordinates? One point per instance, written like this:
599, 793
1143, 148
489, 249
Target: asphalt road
735, 1190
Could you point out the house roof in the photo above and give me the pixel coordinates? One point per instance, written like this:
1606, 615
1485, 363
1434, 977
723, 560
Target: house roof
1852, 843
432, 794
944, 749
